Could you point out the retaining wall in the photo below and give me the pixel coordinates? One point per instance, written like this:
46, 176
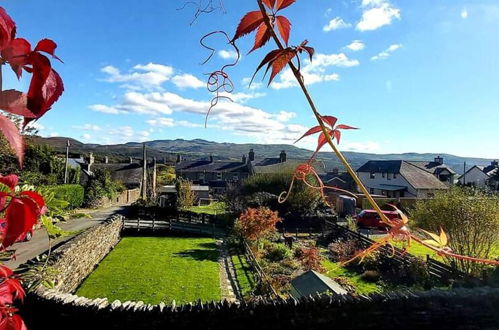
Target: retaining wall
76, 259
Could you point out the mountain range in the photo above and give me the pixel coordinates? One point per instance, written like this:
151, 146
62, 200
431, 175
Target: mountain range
198, 148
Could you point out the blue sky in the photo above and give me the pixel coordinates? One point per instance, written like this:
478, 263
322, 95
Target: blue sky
415, 76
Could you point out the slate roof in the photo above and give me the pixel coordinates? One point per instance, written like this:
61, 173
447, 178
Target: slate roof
212, 166
432, 167
416, 176
272, 165
129, 174
488, 170
312, 283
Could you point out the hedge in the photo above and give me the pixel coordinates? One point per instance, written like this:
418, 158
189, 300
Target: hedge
71, 193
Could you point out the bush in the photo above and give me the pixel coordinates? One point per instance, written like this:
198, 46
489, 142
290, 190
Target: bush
101, 185
258, 223
343, 250
469, 217
71, 193
277, 252
370, 276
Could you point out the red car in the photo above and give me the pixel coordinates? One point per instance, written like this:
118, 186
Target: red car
371, 219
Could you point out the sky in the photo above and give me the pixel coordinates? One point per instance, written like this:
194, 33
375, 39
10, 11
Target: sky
414, 76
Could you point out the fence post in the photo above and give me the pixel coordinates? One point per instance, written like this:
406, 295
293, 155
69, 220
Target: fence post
138, 224
153, 224
296, 229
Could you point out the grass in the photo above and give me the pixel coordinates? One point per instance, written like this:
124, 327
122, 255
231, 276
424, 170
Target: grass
157, 269
244, 273
213, 208
333, 270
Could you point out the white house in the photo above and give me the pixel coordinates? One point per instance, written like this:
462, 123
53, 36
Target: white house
479, 176
399, 178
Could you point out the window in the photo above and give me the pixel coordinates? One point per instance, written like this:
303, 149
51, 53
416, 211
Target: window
219, 176
201, 176
371, 190
388, 176
373, 175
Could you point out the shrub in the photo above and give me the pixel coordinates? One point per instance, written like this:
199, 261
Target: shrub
254, 224
370, 276
311, 259
471, 220
71, 193
277, 252
343, 250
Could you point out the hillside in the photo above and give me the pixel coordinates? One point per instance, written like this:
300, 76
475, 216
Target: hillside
162, 149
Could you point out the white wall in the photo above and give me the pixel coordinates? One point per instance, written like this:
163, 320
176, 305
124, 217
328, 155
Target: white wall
398, 181
475, 176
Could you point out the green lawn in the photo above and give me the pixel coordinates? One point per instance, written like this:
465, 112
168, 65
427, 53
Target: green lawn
244, 273
157, 269
333, 270
213, 208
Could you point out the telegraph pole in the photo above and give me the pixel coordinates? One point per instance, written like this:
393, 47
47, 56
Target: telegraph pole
66, 164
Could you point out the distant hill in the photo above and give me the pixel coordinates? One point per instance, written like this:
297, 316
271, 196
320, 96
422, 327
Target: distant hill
168, 149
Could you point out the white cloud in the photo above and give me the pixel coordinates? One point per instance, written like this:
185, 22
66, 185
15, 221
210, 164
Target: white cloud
170, 122
386, 53
285, 116
88, 127
377, 13
254, 85
336, 24
53, 134
356, 45
187, 81
149, 76
86, 136
316, 71
227, 54
242, 97
36, 125
464, 13
135, 102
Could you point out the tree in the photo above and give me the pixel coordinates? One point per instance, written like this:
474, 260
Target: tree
469, 217
186, 197
311, 259
254, 224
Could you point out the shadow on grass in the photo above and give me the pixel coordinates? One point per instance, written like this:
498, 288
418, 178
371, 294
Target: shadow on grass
200, 254
211, 246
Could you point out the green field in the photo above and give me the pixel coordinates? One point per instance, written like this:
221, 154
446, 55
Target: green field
213, 208
157, 269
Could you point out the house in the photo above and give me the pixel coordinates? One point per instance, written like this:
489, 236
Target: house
313, 283
437, 167
479, 176
399, 178
167, 195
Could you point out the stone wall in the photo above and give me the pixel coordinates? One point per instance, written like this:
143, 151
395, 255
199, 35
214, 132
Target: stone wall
76, 259
447, 309
126, 197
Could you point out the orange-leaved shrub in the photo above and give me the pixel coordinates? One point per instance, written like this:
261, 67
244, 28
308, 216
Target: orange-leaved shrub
256, 223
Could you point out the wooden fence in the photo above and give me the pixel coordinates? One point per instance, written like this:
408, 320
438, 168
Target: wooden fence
263, 278
172, 225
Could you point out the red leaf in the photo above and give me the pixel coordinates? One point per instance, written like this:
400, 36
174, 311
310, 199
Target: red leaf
10, 180
6, 296
48, 46
261, 37
281, 4
330, 120
7, 28
345, 127
14, 286
284, 27
269, 3
21, 216
16, 53
15, 102
337, 135
13, 136
321, 141
13, 322
311, 131
249, 23
37, 198
267, 59
281, 61
5, 271
310, 51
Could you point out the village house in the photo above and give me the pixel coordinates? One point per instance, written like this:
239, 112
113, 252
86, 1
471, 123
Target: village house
479, 176
399, 178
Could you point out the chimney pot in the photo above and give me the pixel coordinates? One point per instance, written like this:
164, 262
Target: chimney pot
282, 156
251, 155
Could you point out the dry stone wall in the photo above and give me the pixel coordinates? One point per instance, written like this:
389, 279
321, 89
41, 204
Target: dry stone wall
75, 260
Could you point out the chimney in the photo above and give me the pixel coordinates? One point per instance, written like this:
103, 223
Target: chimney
439, 160
244, 159
106, 160
251, 155
179, 159
211, 158
495, 163
90, 161
335, 171
282, 156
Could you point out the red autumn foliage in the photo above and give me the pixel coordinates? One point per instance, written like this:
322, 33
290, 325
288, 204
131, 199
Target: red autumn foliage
311, 259
254, 224
45, 88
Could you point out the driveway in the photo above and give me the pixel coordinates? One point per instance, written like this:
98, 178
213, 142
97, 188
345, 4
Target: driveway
39, 242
